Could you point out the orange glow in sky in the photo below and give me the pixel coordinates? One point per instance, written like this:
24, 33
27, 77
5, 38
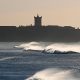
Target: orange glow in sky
54, 12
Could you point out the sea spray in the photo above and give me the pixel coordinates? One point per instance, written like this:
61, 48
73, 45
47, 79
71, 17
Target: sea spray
24, 45
51, 47
55, 74
63, 47
31, 46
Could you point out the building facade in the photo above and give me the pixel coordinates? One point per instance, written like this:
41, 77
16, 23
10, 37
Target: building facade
37, 21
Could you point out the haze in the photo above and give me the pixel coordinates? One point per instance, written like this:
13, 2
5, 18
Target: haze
54, 12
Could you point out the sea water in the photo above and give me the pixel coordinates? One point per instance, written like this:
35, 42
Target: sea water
17, 63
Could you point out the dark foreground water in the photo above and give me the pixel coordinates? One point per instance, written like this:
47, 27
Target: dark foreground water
19, 65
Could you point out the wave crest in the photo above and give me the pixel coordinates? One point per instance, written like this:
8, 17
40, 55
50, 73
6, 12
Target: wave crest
55, 74
50, 47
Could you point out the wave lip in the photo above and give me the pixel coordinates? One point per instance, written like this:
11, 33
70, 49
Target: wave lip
58, 52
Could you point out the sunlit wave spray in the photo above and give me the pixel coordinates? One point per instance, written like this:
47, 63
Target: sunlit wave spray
51, 47
56, 74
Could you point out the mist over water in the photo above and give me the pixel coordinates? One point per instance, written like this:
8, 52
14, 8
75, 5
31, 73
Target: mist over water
16, 64
63, 47
56, 74
51, 47
31, 45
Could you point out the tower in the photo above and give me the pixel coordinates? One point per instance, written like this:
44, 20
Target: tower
37, 22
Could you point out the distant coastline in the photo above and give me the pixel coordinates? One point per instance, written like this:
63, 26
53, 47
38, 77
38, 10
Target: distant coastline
38, 32
45, 33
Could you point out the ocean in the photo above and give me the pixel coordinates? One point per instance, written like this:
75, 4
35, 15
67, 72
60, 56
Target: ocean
26, 61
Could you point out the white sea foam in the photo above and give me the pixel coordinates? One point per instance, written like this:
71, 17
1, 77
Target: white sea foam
55, 74
27, 44
31, 45
6, 58
63, 47
51, 47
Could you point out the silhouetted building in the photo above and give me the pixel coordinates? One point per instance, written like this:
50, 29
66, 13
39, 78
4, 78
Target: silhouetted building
38, 32
37, 22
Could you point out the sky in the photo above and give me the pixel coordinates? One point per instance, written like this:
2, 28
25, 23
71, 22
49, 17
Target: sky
53, 12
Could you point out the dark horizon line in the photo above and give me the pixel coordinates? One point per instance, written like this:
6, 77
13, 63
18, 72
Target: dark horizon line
26, 26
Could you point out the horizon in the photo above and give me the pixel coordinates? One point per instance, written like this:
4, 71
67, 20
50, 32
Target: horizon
54, 12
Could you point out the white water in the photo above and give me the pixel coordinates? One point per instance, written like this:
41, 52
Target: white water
63, 47
31, 45
72, 61
55, 74
51, 47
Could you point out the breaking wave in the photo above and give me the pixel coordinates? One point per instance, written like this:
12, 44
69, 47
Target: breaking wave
56, 74
31, 46
63, 47
51, 47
